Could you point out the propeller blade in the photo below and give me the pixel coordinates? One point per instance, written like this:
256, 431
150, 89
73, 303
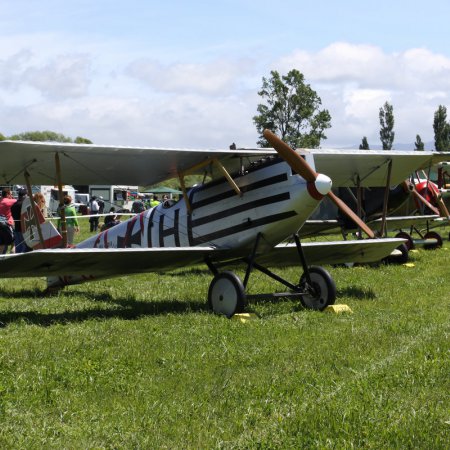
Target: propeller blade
351, 215
300, 166
410, 187
295, 161
441, 205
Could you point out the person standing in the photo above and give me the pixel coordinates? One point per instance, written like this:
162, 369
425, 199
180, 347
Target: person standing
39, 199
94, 207
6, 203
154, 202
101, 205
72, 226
138, 205
16, 209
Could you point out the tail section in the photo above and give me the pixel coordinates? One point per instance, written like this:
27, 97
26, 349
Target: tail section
30, 220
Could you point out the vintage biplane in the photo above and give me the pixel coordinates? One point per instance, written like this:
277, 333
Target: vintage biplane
254, 201
383, 202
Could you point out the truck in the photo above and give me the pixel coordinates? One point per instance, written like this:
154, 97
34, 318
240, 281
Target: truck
119, 197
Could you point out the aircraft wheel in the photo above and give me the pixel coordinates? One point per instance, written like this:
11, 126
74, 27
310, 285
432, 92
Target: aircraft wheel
433, 235
323, 289
226, 294
401, 258
409, 240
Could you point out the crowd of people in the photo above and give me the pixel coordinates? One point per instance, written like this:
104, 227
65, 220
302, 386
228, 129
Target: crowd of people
12, 233
11, 225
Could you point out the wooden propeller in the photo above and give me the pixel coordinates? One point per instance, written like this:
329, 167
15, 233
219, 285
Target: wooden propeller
300, 166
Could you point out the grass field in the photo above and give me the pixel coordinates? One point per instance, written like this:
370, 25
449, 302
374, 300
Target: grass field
139, 362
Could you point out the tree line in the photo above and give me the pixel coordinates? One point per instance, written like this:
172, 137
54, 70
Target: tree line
44, 136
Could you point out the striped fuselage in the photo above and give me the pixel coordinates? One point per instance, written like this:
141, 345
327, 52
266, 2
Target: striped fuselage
274, 202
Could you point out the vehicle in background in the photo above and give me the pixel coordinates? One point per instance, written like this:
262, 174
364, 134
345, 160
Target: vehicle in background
119, 197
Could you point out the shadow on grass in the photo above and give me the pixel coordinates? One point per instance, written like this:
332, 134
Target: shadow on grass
357, 293
188, 272
125, 309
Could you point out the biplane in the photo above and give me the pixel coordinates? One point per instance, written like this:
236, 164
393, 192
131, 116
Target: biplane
384, 203
254, 200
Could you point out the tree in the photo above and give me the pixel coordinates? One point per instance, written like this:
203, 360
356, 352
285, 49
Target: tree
82, 140
441, 130
43, 136
47, 136
387, 126
419, 143
291, 110
364, 144
2, 138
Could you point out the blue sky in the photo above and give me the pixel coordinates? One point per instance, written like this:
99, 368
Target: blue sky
180, 73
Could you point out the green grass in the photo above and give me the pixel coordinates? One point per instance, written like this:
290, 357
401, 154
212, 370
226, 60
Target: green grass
139, 362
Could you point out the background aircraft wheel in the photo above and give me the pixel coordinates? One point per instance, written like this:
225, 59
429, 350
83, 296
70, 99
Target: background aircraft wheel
401, 258
324, 289
433, 235
409, 240
226, 294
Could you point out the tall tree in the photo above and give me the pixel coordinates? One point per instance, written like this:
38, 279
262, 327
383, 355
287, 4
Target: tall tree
387, 133
419, 143
441, 130
364, 144
2, 138
291, 110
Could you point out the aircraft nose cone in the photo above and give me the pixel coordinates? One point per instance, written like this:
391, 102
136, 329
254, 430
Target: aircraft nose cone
320, 187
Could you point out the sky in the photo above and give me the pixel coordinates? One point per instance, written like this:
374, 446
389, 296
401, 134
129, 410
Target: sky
187, 73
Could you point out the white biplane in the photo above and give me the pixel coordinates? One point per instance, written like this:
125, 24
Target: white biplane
256, 199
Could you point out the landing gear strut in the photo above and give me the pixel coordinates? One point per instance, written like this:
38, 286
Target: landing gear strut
226, 295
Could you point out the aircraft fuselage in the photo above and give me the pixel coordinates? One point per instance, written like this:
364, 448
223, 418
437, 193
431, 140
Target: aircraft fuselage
274, 202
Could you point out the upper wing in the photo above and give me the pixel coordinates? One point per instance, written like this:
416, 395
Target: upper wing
100, 164
345, 166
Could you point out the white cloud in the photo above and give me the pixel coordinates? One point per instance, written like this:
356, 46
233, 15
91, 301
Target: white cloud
65, 76
214, 78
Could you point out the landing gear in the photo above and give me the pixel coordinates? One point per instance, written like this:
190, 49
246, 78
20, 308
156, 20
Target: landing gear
409, 240
400, 256
320, 292
226, 294
435, 236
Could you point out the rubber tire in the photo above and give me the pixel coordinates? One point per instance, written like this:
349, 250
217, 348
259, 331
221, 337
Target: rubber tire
403, 259
409, 240
226, 294
433, 235
325, 287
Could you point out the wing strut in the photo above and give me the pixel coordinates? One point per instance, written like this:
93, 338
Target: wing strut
200, 165
383, 230
62, 212
34, 206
